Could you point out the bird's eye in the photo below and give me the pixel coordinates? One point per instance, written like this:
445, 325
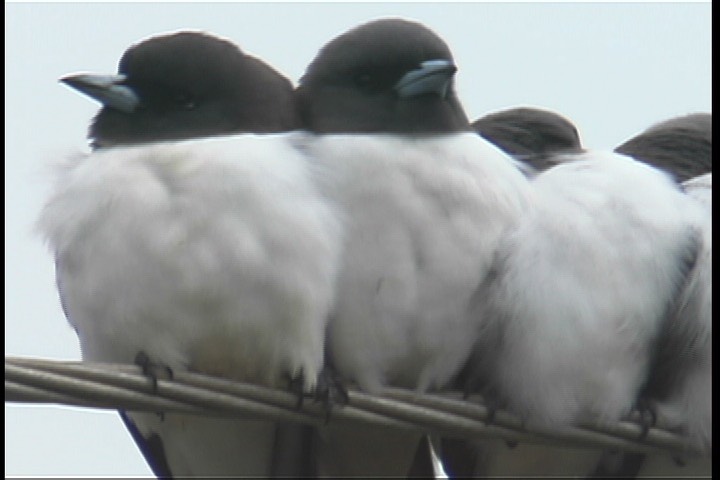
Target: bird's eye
366, 81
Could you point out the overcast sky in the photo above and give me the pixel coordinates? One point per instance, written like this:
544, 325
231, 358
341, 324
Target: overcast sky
614, 69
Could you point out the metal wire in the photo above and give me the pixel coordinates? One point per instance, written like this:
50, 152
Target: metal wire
125, 387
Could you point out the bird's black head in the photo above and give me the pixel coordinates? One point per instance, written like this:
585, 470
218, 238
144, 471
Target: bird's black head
681, 146
388, 75
526, 131
531, 135
187, 85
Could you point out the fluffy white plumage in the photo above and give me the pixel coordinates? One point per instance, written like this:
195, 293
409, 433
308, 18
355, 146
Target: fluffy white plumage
684, 369
689, 404
425, 201
214, 255
580, 289
423, 219
688, 407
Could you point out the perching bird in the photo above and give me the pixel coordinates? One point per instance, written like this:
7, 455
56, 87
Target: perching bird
533, 136
215, 255
682, 380
426, 201
681, 146
536, 138
580, 289
495, 458
680, 383
684, 383
680, 386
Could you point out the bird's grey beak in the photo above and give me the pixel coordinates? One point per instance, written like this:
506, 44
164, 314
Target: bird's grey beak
106, 89
433, 76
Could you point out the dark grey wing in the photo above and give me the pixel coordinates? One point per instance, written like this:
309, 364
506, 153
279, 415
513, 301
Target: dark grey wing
151, 448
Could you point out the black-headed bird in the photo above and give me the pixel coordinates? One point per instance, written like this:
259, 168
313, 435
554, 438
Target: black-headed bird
186, 241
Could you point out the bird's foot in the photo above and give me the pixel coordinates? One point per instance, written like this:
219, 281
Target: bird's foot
492, 406
153, 370
330, 390
296, 386
648, 415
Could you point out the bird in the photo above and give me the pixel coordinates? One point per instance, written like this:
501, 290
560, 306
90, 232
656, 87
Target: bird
687, 401
681, 146
493, 458
580, 289
533, 136
683, 377
426, 201
193, 236
679, 387
680, 384
537, 138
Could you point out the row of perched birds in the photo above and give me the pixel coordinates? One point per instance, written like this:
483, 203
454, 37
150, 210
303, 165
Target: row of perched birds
358, 230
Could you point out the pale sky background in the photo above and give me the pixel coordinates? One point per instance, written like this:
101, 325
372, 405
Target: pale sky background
614, 69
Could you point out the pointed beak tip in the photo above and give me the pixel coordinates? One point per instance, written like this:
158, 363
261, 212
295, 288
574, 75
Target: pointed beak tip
106, 89
67, 79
